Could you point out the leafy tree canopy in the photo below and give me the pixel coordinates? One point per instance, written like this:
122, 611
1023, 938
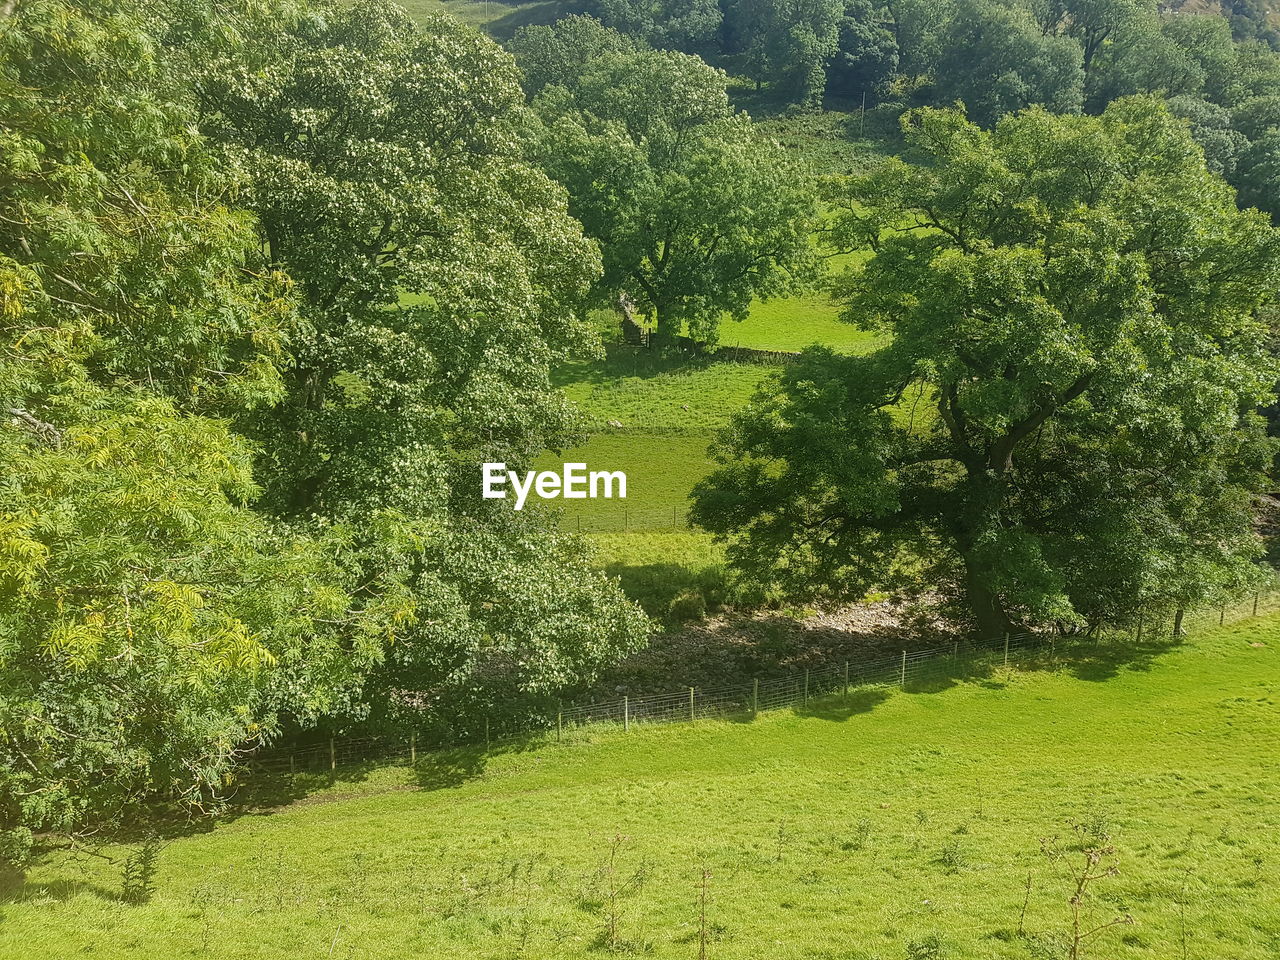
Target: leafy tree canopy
151, 624
696, 213
1063, 426
997, 59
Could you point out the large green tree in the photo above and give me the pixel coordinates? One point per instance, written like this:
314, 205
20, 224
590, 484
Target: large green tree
789, 43
439, 276
1063, 425
995, 58
152, 625
696, 212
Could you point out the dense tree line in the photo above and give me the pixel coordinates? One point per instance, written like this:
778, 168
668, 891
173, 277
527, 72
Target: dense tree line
275, 280
996, 56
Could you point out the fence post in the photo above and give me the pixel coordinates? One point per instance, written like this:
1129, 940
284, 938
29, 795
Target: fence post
692, 715
291, 764
955, 651
559, 725
626, 714
1255, 604
486, 733
1006, 649
902, 681
805, 698
755, 696
413, 746
846, 678
1222, 615
333, 756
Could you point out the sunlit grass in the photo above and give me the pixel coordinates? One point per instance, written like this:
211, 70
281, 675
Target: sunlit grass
856, 828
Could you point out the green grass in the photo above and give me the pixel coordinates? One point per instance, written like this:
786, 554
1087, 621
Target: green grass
793, 323
647, 394
498, 18
852, 830
661, 470
665, 571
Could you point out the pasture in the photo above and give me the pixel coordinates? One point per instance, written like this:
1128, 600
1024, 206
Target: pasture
884, 825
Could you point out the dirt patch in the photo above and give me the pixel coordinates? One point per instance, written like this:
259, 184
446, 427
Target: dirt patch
737, 648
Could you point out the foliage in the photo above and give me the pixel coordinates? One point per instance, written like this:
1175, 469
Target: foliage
789, 42
692, 26
560, 54
237, 469
866, 55
440, 276
996, 59
1095, 446
151, 624
696, 213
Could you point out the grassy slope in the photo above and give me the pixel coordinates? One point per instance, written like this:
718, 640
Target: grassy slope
496, 17
849, 833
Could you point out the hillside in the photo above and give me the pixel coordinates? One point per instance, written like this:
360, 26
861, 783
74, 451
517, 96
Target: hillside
885, 825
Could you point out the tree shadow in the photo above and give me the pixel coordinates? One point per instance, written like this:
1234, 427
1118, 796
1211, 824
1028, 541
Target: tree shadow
16, 888
841, 707
626, 361
444, 769
1102, 660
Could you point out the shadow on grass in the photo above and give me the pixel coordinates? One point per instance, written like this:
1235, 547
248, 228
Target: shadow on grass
15, 888
841, 707
622, 360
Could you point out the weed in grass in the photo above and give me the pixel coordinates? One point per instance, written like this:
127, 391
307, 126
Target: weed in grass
951, 857
704, 900
616, 885
861, 834
1094, 863
929, 947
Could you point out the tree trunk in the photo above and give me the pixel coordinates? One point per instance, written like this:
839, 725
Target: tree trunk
666, 328
1177, 624
989, 615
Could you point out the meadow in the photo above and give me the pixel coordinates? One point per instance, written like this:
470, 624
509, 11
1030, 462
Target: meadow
946, 821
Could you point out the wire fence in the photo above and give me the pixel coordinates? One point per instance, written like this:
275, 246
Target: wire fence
908, 670
624, 519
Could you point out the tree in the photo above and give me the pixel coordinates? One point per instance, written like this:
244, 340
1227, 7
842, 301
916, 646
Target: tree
996, 59
1091, 22
560, 54
152, 625
440, 277
692, 26
1211, 126
1062, 427
696, 213
1258, 174
867, 56
789, 43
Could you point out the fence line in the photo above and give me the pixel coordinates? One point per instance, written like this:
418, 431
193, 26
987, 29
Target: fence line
691, 704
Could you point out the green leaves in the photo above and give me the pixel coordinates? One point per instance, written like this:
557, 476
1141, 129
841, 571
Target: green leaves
1078, 300
696, 214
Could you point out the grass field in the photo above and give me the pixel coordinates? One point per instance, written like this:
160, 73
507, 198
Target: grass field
500, 18
887, 825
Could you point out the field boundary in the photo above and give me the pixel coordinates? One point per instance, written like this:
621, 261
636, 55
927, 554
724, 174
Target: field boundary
795, 690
